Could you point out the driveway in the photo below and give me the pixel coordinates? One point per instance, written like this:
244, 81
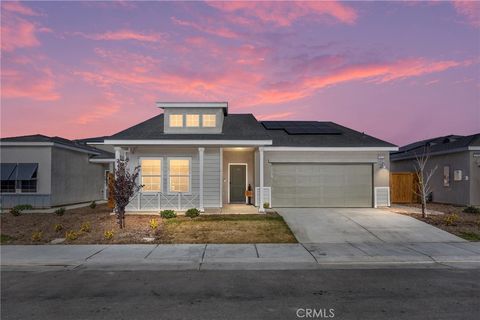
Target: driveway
358, 225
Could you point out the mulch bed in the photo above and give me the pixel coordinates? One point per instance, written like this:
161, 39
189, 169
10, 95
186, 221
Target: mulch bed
203, 229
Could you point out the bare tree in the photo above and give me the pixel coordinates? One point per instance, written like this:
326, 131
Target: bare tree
124, 188
424, 178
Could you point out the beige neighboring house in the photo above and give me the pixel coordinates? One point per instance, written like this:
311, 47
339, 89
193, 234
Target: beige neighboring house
197, 154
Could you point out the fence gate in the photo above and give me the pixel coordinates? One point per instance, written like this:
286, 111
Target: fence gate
402, 187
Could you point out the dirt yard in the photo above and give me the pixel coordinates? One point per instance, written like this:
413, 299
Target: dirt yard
453, 219
40, 228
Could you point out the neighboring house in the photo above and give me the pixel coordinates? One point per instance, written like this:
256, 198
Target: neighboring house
51, 171
199, 155
457, 158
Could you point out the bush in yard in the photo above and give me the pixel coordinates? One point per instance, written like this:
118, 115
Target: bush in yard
266, 205
451, 219
37, 235
58, 227
17, 210
153, 224
471, 209
93, 205
108, 234
85, 227
192, 213
168, 214
71, 235
60, 211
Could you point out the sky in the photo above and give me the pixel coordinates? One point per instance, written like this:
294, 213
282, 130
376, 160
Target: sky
400, 71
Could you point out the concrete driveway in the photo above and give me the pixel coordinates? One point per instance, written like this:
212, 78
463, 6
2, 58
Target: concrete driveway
359, 225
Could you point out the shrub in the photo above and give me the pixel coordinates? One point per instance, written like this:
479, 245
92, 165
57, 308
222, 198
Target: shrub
15, 212
168, 214
108, 234
85, 227
266, 205
37, 235
451, 219
60, 211
58, 227
93, 205
471, 209
192, 213
71, 235
153, 224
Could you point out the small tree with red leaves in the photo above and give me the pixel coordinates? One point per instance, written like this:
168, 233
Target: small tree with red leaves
125, 187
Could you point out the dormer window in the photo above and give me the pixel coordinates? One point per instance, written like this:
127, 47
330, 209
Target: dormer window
193, 120
209, 120
176, 120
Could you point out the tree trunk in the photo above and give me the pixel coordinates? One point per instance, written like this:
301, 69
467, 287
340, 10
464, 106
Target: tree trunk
424, 215
121, 217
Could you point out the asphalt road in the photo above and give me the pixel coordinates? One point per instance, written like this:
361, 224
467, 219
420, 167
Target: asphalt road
353, 294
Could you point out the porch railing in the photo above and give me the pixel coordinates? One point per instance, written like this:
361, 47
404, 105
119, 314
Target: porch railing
161, 201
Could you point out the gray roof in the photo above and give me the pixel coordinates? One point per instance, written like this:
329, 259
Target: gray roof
61, 141
246, 127
235, 127
444, 144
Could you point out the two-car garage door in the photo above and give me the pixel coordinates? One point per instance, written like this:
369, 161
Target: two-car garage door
321, 185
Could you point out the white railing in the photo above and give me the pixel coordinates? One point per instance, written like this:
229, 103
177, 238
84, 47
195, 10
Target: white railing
161, 201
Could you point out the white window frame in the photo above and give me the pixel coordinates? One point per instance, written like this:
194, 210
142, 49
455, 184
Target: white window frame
170, 192
210, 115
176, 115
161, 173
190, 115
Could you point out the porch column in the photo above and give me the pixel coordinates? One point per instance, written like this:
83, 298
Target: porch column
200, 156
117, 156
261, 200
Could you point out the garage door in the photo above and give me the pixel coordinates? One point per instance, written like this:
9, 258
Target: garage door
321, 185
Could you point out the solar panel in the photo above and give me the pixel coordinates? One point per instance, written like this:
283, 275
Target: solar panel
301, 127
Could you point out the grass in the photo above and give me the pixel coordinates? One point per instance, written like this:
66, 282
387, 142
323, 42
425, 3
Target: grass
248, 228
470, 236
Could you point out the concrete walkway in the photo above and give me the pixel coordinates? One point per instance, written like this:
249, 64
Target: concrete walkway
240, 256
359, 225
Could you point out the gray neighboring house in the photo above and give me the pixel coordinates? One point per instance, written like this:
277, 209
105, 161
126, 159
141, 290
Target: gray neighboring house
457, 158
51, 171
197, 154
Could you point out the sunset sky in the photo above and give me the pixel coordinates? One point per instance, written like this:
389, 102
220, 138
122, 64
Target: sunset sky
401, 71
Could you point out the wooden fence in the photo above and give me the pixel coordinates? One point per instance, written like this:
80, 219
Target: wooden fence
402, 187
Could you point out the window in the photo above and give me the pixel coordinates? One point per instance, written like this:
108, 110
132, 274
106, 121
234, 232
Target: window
446, 176
209, 120
176, 120
179, 175
8, 186
193, 120
151, 175
28, 185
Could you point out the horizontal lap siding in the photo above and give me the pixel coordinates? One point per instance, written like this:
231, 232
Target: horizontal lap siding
211, 178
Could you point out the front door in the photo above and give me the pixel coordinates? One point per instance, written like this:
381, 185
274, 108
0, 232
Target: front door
237, 182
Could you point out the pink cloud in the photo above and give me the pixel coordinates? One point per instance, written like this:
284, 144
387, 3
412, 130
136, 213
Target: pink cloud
18, 33
29, 82
121, 35
470, 10
285, 13
17, 7
97, 113
276, 116
207, 26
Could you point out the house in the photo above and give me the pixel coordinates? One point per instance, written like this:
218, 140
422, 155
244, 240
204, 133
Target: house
457, 159
199, 155
51, 171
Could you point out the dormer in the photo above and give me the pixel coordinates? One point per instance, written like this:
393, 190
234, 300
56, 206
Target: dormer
193, 117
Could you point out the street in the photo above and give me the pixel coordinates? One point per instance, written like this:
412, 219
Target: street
404, 293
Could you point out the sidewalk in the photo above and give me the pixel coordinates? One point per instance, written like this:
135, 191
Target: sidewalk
239, 256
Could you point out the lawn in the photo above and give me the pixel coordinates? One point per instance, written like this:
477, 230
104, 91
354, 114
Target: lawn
453, 220
39, 228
